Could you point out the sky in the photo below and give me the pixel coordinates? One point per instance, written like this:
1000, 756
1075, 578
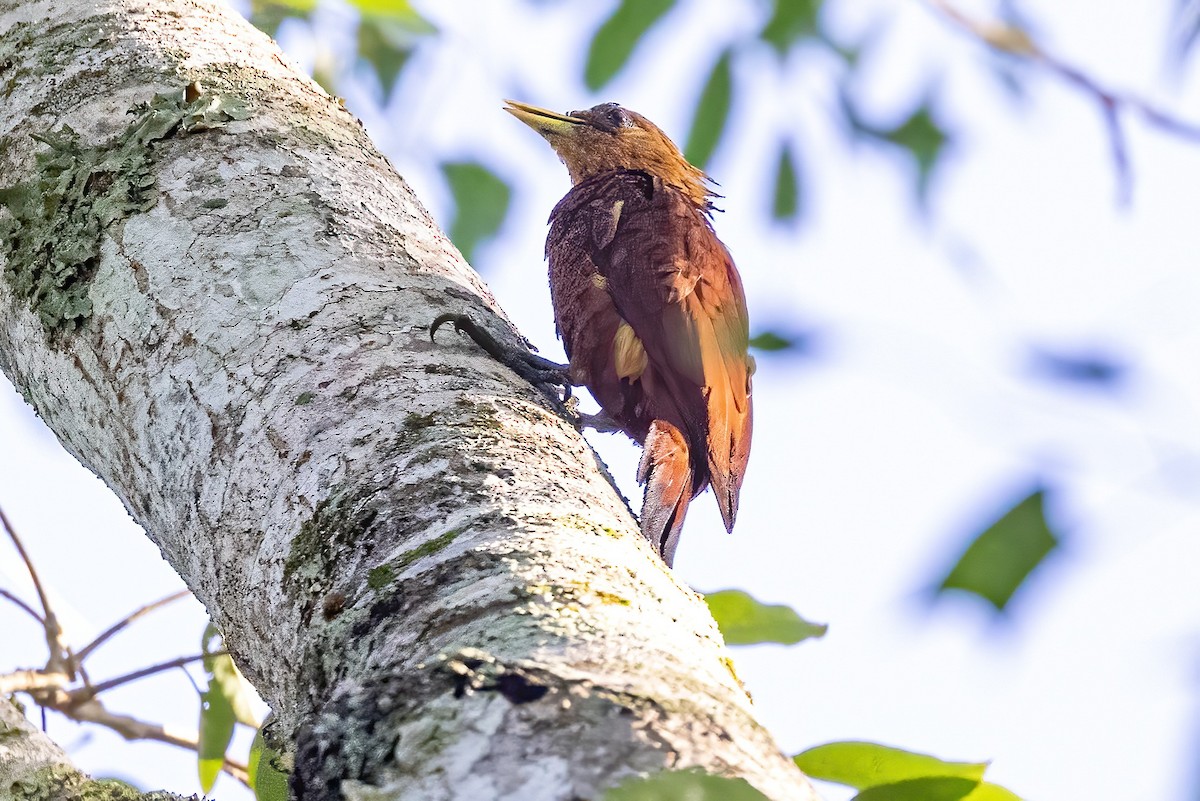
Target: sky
915, 417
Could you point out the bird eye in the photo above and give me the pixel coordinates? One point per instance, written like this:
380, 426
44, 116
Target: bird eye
618, 118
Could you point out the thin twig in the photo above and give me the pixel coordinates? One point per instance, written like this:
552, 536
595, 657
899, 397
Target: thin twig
92, 711
49, 686
29, 609
1014, 41
49, 691
95, 689
37, 584
82, 654
54, 632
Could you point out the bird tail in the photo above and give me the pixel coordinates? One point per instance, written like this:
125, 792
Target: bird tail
666, 470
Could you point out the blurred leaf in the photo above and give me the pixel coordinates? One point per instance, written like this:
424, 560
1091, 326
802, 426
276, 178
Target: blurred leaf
791, 21
386, 53
920, 135
224, 674
388, 33
325, 69
266, 15
481, 198
267, 781
987, 791
745, 621
771, 341
216, 730
786, 205
1010, 79
616, 38
933, 788
684, 785
223, 703
400, 11
712, 112
1186, 25
997, 562
861, 765
1097, 370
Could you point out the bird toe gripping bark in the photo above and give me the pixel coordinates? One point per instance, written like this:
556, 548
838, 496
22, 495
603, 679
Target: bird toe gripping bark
551, 378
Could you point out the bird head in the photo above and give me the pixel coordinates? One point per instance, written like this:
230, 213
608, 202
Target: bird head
607, 137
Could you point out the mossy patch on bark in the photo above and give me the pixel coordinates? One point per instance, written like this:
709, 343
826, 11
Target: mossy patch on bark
50, 238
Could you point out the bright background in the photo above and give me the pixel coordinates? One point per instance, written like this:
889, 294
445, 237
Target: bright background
913, 413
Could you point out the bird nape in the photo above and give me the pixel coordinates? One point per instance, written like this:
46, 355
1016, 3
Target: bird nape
650, 309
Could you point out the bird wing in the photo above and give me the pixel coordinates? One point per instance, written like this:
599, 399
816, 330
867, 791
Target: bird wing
675, 284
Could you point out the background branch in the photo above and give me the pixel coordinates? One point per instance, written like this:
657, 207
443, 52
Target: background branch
1015, 41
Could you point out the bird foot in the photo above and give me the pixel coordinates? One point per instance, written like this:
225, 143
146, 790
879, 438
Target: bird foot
549, 377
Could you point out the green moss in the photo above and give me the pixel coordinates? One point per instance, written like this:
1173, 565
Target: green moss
337, 521
48, 783
427, 548
416, 421
51, 237
611, 598
380, 577
110, 790
304, 398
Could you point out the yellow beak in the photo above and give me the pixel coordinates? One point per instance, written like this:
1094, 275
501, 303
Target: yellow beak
544, 121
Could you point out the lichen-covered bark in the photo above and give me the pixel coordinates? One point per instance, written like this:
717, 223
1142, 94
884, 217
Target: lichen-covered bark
422, 569
33, 768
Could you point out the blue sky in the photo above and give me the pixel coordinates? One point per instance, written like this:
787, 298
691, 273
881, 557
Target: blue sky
915, 419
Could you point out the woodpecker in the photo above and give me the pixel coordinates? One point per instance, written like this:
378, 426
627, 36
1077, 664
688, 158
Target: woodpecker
650, 309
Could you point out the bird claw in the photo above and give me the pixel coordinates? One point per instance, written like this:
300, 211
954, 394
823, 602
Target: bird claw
544, 374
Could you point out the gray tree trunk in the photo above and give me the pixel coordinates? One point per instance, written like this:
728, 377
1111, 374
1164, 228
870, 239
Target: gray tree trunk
218, 297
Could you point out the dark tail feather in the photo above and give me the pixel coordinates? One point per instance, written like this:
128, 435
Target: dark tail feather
666, 470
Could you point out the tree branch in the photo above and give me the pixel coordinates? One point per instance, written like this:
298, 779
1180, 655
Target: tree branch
83, 653
1014, 41
170, 664
50, 691
29, 610
49, 620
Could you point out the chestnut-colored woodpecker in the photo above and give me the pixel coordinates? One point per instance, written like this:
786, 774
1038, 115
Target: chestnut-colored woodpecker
650, 308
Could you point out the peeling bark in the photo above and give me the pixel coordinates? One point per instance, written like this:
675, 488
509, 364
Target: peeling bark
424, 571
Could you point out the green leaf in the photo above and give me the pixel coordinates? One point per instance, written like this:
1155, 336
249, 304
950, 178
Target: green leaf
745, 621
616, 38
922, 137
712, 112
223, 673
771, 341
786, 204
791, 21
684, 785
987, 791
400, 11
934, 788
999, 560
861, 765
216, 730
386, 47
268, 782
388, 32
266, 15
481, 198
